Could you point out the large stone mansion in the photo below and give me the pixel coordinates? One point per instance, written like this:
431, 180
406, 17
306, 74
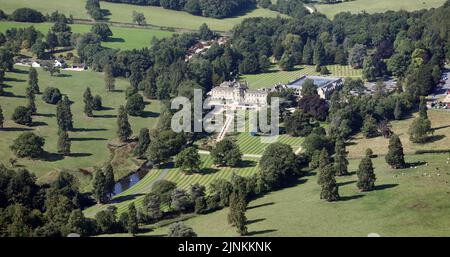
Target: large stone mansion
238, 93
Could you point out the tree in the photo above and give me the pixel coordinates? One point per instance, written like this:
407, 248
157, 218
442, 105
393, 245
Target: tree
277, 165
188, 160
398, 111
298, 124
100, 191
123, 126
77, 223
366, 175
370, 72
423, 108
51, 40
63, 143
22, 116
51, 95
419, 130
152, 206
28, 145
226, 153
340, 159
287, 62
395, 157
139, 18
143, 143
33, 80
205, 33
330, 189
102, 30
31, 100
109, 78
370, 128
357, 55
133, 225
39, 48
110, 181
308, 52
319, 55
51, 68
180, 201
2, 118
135, 105
64, 115
88, 100
97, 103
180, 230
236, 216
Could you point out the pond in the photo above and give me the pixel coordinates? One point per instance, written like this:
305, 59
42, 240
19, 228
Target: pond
130, 180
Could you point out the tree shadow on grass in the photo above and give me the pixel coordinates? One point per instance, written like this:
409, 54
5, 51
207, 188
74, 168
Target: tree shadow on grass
346, 183
88, 129
386, 186
9, 79
208, 171
415, 164
82, 139
39, 124
148, 114
260, 232
52, 157
260, 205
105, 108
435, 138
254, 221
349, 198
115, 40
9, 94
15, 129
19, 71
77, 155
442, 127
106, 116
63, 75
247, 164
47, 115
125, 198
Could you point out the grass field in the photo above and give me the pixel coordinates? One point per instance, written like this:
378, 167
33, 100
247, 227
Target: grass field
405, 203
123, 38
371, 6
275, 75
123, 13
91, 135
207, 174
440, 121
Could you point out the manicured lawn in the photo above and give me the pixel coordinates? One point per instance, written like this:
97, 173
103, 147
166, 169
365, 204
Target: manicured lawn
91, 135
440, 121
207, 174
123, 13
410, 202
123, 38
275, 75
249, 144
371, 6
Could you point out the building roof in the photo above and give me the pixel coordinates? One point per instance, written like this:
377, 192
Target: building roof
318, 81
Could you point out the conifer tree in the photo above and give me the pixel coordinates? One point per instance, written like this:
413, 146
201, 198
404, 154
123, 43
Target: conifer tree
340, 159
398, 111
324, 161
99, 187
88, 102
319, 54
123, 126
110, 81
64, 114
423, 108
366, 175
33, 80
109, 179
143, 142
2, 118
330, 189
31, 100
308, 52
133, 225
395, 157
63, 143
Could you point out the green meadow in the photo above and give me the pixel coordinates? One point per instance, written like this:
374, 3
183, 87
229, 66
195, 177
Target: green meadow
123, 38
91, 135
376, 6
123, 13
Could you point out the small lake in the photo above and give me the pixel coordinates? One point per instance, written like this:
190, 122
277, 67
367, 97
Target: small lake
130, 180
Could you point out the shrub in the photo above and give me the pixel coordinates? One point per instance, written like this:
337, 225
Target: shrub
51, 95
22, 115
97, 103
27, 15
28, 145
